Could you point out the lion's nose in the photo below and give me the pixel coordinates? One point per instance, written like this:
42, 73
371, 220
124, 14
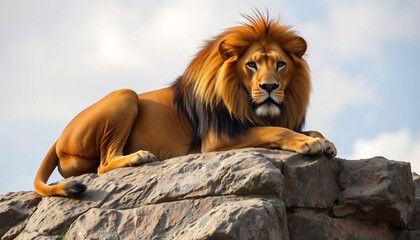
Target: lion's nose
269, 86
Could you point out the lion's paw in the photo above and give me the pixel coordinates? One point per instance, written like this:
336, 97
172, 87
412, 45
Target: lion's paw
313, 146
316, 146
141, 157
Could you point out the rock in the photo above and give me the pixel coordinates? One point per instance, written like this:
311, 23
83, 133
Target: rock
15, 208
310, 181
321, 226
415, 220
376, 189
416, 180
238, 194
211, 218
213, 174
413, 235
66, 210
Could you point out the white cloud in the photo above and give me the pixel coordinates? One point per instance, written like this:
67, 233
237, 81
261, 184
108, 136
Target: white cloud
353, 31
401, 145
333, 92
70, 58
358, 26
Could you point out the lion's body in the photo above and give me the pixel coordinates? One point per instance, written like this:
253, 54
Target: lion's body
156, 128
248, 87
159, 129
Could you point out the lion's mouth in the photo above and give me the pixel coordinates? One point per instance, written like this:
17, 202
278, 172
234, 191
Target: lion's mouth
267, 101
268, 108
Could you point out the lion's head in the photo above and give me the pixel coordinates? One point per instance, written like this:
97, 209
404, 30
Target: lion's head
249, 75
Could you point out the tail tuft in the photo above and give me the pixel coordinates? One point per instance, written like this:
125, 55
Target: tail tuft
74, 189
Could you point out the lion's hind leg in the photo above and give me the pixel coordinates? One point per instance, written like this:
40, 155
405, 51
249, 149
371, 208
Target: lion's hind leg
74, 166
122, 114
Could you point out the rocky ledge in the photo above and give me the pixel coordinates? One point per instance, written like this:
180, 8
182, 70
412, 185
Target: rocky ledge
238, 194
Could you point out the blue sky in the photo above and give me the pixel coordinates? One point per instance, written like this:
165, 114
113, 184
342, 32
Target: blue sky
58, 57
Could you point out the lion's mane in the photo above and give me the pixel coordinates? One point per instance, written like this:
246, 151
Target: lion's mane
210, 94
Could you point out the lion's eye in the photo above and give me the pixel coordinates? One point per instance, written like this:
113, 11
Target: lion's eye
280, 65
252, 65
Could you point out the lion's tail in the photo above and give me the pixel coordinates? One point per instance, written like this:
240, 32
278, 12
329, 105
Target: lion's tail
69, 189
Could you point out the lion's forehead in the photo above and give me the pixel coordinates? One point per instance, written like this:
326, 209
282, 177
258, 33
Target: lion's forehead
270, 57
268, 53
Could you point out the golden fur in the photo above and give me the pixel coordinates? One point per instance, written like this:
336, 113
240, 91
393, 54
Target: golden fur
248, 87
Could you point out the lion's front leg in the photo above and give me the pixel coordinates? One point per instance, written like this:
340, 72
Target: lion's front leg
269, 137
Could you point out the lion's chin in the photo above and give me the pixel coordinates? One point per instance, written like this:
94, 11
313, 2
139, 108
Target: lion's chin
267, 110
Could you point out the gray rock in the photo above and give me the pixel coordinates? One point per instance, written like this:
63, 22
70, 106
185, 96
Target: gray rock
416, 180
55, 214
320, 227
238, 194
376, 189
212, 174
207, 218
310, 182
415, 220
15, 208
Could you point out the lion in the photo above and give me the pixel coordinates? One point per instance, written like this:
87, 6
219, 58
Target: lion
247, 87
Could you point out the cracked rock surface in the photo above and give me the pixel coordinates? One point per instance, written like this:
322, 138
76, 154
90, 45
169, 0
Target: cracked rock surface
239, 194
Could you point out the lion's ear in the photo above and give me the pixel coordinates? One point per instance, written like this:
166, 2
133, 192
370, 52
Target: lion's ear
297, 46
226, 51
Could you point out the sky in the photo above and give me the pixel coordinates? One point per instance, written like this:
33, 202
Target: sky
58, 57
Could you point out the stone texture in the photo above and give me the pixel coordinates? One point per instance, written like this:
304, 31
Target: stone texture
310, 181
208, 218
415, 220
213, 174
60, 212
376, 189
15, 208
321, 226
416, 181
238, 194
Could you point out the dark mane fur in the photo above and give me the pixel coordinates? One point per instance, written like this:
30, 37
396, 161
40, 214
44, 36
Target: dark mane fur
201, 116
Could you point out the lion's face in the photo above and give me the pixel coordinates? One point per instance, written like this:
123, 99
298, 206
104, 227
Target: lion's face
266, 73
